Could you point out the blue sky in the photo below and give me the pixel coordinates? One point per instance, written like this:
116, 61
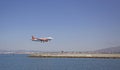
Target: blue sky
75, 25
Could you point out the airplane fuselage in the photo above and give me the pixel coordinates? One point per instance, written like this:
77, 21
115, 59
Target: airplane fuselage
42, 39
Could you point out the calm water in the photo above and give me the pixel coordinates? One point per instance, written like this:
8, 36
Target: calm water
22, 62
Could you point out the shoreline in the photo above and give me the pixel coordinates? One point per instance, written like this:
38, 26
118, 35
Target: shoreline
70, 55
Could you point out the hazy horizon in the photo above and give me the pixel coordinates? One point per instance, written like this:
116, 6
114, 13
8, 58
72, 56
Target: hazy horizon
75, 25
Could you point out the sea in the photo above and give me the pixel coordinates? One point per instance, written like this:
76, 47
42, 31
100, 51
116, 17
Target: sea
23, 62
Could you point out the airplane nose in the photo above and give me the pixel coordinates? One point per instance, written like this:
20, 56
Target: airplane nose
49, 37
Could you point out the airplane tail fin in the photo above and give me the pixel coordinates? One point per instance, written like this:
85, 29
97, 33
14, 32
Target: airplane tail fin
33, 38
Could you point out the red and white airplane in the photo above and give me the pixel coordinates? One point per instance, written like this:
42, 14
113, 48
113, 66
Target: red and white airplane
46, 39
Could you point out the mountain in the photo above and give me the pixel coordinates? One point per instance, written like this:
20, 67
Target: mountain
109, 50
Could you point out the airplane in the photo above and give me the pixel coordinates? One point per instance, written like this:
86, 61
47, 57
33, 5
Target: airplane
46, 39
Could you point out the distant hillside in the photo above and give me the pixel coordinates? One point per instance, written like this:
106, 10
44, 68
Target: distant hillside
109, 50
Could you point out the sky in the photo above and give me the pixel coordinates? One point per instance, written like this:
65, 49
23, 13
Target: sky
75, 25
